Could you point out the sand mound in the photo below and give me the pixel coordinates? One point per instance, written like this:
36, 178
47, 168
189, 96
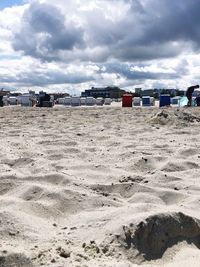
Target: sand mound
170, 117
125, 190
153, 236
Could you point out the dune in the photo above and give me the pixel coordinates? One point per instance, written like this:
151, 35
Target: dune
105, 186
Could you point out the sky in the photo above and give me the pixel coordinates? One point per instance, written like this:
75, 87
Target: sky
10, 3
72, 45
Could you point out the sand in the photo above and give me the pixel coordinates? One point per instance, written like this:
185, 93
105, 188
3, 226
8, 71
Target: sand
103, 186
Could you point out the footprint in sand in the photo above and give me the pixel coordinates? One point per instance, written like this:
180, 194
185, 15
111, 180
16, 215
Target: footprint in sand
179, 166
188, 152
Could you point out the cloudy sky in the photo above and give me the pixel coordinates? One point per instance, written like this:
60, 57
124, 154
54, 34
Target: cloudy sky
71, 45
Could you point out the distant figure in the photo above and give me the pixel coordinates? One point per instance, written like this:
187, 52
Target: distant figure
189, 93
1, 101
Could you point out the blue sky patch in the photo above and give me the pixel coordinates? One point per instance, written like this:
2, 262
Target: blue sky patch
9, 3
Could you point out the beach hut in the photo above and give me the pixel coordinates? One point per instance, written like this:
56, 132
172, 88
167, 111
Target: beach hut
12, 100
146, 101
136, 101
75, 101
27, 100
5, 100
165, 100
24, 100
52, 100
175, 100
83, 101
47, 101
44, 100
90, 101
127, 100
99, 101
67, 101
61, 101
152, 101
184, 101
107, 101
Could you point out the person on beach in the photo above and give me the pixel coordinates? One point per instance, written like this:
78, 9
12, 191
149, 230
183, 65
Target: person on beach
189, 93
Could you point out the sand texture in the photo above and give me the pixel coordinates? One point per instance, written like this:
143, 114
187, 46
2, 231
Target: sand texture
99, 187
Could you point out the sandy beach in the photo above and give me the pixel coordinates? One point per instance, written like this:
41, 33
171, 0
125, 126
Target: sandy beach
99, 187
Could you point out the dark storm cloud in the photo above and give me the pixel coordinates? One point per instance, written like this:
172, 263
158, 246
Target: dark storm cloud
164, 21
44, 33
127, 71
151, 29
157, 29
43, 78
